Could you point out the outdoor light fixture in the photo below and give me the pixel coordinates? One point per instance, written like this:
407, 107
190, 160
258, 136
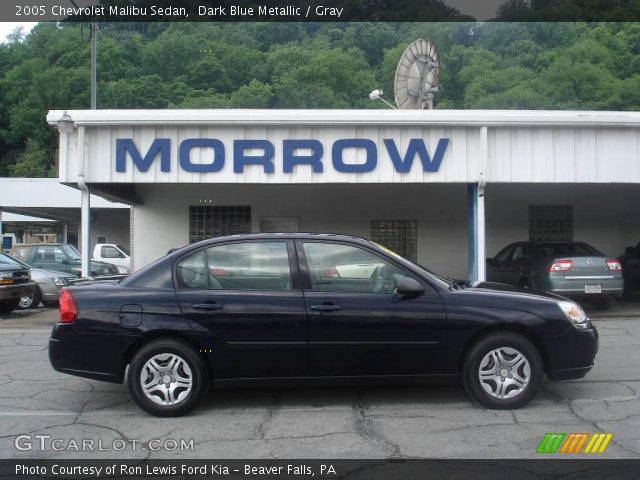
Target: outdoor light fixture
377, 95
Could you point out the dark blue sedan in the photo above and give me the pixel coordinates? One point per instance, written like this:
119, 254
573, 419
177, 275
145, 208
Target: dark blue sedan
312, 306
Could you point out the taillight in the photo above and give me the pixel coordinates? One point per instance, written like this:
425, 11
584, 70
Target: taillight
68, 308
560, 266
613, 265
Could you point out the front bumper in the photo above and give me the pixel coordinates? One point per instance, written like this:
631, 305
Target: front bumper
571, 355
16, 292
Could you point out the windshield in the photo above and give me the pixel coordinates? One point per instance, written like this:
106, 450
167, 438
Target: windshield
71, 251
126, 251
442, 281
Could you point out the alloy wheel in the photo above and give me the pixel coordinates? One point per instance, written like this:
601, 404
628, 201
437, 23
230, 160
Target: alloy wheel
504, 373
166, 379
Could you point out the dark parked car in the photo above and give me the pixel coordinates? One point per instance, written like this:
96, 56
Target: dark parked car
15, 283
59, 257
630, 262
571, 269
189, 319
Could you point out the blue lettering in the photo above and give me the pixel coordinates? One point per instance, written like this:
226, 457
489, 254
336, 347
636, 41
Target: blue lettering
416, 145
159, 145
289, 159
240, 159
368, 145
185, 155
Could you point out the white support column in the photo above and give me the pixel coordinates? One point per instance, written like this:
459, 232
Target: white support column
85, 207
85, 217
65, 233
476, 217
1, 238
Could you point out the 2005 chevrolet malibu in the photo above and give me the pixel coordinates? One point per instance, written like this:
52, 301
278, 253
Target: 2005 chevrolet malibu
310, 306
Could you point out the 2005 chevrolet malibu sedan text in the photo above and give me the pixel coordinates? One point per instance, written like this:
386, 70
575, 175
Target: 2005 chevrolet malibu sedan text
310, 306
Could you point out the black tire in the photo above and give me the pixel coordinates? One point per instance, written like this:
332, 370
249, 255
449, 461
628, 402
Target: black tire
8, 306
30, 301
602, 303
170, 348
524, 284
474, 359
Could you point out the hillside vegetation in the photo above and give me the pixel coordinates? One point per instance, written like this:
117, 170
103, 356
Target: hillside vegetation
301, 65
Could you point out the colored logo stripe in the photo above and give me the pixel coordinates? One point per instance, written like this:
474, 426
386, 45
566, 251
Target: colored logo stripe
574, 443
598, 443
550, 443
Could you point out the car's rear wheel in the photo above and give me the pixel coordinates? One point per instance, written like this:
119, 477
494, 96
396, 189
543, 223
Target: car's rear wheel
8, 306
502, 370
30, 301
167, 378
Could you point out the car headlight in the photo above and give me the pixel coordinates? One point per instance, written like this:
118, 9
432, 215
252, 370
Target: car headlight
59, 281
6, 274
575, 314
123, 270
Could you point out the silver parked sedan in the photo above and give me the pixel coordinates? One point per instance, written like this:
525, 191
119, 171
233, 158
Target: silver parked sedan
47, 286
570, 269
47, 291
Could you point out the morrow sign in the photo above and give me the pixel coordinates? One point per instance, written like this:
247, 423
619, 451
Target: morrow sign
309, 152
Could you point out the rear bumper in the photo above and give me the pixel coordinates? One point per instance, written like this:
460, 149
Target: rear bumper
16, 292
571, 355
576, 287
89, 355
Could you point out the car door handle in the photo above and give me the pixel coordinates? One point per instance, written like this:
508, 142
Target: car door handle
207, 307
324, 308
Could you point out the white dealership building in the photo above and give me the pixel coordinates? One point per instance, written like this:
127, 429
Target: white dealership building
446, 188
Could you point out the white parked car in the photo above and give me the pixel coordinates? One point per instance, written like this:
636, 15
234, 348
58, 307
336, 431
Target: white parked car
114, 254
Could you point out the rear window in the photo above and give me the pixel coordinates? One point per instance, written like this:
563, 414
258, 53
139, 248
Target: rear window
568, 250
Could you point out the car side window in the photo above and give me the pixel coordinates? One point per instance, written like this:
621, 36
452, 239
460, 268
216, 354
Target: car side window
111, 252
249, 266
335, 267
237, 266
191, 272
519, 253
504, 254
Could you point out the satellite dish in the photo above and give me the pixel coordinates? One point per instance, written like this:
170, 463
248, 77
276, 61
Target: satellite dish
417, 75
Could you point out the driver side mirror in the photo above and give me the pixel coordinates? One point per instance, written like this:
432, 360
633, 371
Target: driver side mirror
409, 286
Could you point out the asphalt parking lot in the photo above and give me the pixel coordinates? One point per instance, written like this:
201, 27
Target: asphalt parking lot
51, 415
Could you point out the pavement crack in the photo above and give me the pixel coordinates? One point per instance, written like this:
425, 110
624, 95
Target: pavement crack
365, 428
270, 414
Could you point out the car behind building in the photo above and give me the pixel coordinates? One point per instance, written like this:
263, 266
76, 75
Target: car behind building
59, 257
571, 269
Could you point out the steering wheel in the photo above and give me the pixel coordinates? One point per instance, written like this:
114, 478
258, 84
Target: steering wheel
378, 282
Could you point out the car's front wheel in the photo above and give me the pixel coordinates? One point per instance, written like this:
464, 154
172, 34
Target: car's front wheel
502, 370
167, 378
30, 301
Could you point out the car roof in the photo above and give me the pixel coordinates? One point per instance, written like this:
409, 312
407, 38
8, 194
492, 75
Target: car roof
273, 236
286, 235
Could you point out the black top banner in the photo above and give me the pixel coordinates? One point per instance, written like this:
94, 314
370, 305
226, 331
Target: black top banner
319, 10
